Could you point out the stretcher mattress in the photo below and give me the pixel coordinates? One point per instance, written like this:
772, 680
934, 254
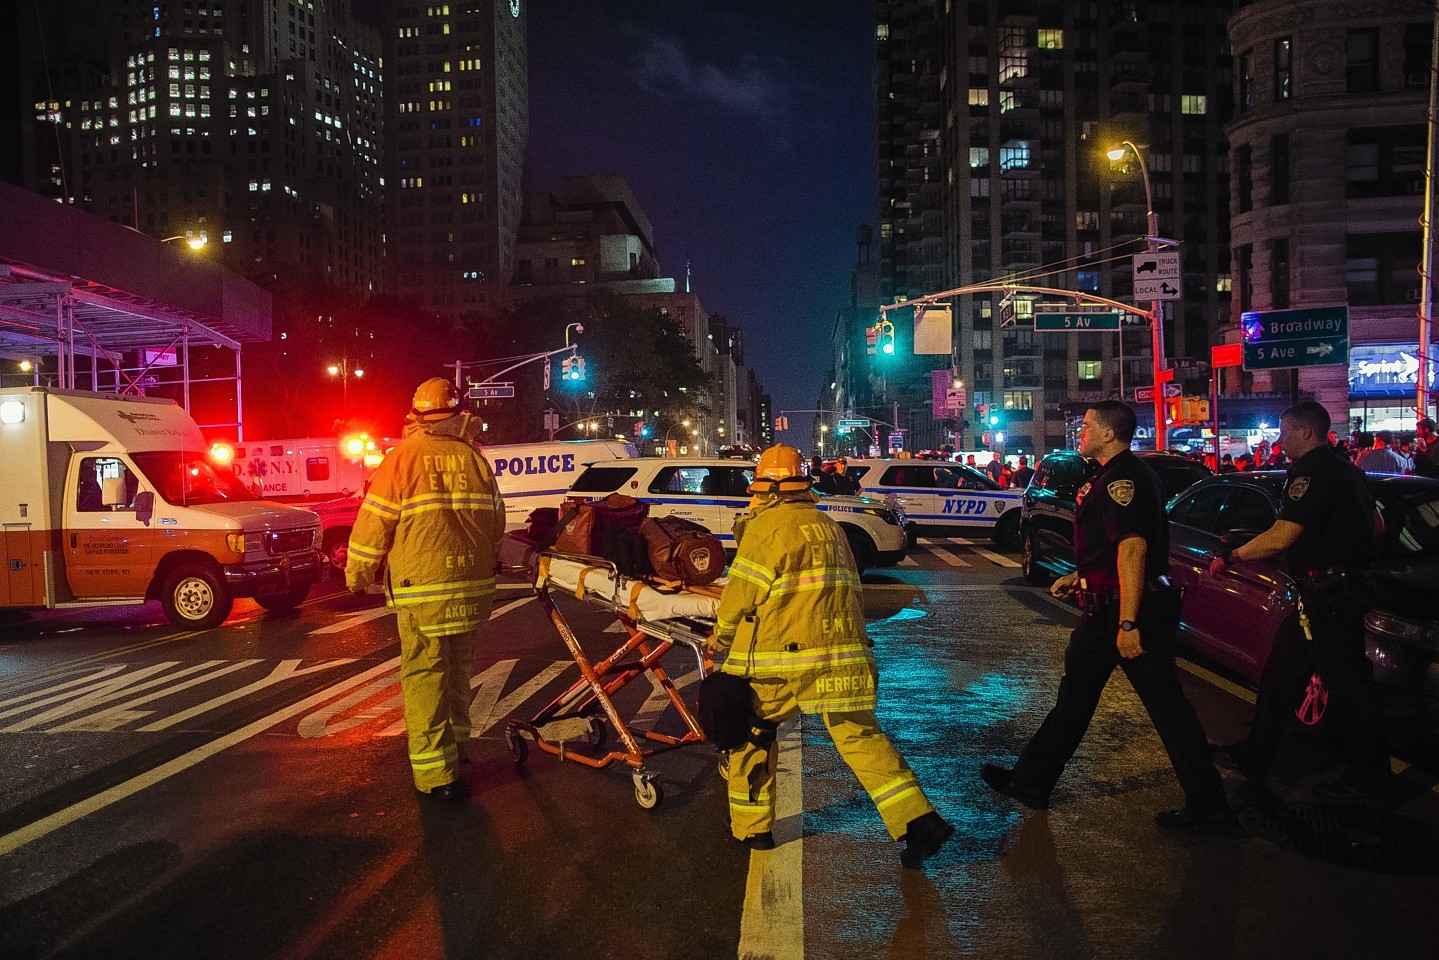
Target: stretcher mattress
653, 604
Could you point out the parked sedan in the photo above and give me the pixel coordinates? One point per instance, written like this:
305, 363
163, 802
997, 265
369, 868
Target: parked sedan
1046, 524
1234, 618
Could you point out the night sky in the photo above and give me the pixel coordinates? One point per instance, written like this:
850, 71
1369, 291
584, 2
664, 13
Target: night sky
746, 132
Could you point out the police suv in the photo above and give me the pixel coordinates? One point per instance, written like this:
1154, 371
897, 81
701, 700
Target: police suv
942, 498
715, 492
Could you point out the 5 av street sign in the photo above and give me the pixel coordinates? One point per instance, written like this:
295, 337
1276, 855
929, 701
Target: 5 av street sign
491, 391
1307, 337
1077, 319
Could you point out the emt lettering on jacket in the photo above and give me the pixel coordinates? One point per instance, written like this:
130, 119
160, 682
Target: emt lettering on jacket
554, 463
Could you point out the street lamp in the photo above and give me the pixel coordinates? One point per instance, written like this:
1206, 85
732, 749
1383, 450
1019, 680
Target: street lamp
823, 429
683, 423
193, 242
1156, 318
343, 370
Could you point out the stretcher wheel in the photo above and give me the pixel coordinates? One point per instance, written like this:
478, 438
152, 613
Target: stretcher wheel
648, 793
517, 746
599, 734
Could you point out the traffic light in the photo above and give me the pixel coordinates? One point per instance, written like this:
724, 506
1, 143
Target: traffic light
572, 368
871, 340
579, 368
886, 338
1195, 410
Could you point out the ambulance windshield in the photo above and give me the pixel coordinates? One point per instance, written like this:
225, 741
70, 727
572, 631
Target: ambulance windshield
185, 478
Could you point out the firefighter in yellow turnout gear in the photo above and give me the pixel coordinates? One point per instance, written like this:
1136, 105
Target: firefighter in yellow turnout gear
434, 516
791, 619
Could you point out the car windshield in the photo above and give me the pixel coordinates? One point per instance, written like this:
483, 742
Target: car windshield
185, 478
1411, 523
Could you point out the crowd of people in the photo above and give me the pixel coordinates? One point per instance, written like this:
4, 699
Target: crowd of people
1374, 453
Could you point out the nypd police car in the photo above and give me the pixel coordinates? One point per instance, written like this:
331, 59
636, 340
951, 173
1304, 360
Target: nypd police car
715, 492
942, 498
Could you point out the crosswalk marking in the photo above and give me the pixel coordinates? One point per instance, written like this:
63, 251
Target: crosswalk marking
950, 558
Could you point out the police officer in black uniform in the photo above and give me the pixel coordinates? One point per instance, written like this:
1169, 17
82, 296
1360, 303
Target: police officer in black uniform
1131, 613
1326, 530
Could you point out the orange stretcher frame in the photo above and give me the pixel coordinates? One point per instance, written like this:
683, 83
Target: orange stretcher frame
646, 644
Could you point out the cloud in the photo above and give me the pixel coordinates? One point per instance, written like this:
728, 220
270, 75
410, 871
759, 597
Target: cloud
749, 89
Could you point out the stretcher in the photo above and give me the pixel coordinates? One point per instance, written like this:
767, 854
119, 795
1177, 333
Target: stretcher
656, 620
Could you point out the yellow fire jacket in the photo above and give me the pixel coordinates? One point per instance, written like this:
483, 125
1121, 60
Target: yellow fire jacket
792, 610
434, 515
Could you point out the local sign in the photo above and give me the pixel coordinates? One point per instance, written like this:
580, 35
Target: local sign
1158, 276
1306, 337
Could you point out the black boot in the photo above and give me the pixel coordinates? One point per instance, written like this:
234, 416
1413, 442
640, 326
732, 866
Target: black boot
923, 838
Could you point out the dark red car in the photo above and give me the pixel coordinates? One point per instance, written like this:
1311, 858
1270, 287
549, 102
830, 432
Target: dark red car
1233, 618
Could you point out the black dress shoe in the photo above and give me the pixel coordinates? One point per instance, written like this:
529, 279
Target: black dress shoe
923, 838
450, 792
757, 841
1185, 821
1000, 779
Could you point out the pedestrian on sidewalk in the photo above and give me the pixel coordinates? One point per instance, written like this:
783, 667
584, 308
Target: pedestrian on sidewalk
791, 621
1130, 617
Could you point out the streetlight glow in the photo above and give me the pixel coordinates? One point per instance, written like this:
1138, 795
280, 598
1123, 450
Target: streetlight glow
1156, 314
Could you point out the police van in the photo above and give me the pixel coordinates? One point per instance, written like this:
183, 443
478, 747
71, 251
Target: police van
942, 498
529, 475
715, 492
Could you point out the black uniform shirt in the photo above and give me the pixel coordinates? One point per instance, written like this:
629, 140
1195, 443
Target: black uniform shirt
1325, 494
1124, 499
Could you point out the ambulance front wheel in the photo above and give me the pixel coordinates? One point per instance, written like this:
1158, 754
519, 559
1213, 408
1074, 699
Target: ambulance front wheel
195, 597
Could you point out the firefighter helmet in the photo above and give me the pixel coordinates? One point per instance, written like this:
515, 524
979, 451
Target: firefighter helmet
780, 470
435, 397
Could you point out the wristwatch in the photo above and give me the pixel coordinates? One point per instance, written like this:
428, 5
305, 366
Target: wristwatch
1128, 625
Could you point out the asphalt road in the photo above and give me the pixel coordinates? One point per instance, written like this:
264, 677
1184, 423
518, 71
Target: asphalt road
244, 793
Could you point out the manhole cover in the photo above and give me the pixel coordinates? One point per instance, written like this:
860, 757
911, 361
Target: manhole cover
1351, 835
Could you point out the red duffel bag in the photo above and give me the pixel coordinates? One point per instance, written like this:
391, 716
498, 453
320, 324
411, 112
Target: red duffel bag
683, 550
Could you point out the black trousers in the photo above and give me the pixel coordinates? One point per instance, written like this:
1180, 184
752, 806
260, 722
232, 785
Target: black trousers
1089, 661
1336, 618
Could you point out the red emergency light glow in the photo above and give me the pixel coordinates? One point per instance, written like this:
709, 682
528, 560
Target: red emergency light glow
222, 452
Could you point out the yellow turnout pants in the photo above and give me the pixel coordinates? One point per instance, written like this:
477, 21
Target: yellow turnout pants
435, 680
861, 743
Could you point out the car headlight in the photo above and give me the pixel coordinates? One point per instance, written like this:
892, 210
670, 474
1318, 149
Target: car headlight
885, 514
236, 542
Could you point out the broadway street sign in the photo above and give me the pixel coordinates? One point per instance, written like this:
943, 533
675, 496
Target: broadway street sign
1307, 337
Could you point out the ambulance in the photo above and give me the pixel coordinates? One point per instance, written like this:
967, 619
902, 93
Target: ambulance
529, 475
306, 468
108, 500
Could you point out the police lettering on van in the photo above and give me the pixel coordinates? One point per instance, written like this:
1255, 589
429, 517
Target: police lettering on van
528, 466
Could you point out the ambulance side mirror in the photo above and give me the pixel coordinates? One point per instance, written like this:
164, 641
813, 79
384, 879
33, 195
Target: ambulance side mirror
145, 507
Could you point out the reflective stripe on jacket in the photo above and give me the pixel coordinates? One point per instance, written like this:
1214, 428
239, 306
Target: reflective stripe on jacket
434, 515
792, 610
